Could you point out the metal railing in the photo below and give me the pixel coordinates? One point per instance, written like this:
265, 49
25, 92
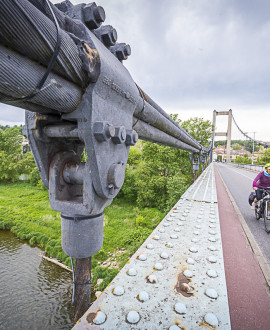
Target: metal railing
257, 168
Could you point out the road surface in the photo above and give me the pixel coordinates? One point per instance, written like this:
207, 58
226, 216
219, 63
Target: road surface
239, 182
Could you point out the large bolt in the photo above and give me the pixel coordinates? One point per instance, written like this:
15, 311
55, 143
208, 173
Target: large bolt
116, 175
74, 173
121, 51
132, 138
120, 135
107, 34
103, 131
93, 15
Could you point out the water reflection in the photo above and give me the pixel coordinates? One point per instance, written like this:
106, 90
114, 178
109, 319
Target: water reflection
34, 294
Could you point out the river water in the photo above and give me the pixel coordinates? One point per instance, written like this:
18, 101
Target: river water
34, 293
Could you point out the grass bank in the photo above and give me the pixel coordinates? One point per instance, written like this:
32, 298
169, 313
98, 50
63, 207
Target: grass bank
25, 210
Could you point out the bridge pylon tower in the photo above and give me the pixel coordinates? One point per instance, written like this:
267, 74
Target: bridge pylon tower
228, 134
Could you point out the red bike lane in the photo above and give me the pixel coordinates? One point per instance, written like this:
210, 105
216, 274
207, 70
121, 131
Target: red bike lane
248, 293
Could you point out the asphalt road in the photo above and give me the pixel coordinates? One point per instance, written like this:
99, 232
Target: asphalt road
239, 182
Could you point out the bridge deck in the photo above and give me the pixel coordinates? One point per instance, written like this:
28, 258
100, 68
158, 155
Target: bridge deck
183, 253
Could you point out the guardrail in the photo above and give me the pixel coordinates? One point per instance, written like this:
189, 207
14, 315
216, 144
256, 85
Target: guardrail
257, 168
176, 279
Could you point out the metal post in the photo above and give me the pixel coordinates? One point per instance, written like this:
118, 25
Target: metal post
229, 136
214, 124
82, 286
252, 161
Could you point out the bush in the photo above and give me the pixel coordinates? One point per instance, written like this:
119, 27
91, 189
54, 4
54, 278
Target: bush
107, 274
129, 190
34, 177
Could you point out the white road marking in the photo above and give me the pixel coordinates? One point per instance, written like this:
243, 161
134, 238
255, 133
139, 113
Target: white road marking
241, 173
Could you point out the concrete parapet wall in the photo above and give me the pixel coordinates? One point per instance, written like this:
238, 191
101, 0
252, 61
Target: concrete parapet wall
176, 279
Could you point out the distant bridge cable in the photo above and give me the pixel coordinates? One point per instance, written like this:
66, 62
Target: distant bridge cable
248, 137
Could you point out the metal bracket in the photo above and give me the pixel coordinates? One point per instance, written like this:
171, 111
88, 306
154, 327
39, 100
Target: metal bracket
102, 127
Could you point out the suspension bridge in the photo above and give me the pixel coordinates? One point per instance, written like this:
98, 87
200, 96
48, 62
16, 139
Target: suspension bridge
207, 263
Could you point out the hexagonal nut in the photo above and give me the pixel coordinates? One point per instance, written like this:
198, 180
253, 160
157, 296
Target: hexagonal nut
121, 51
93, 16
120, 135
103, 131
132, 138
108, 35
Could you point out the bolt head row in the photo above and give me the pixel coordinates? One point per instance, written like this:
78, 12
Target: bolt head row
104, 131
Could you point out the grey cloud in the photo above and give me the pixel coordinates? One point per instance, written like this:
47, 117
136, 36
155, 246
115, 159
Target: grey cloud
203, 53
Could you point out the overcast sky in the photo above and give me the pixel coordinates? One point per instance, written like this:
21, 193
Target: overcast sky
192, 57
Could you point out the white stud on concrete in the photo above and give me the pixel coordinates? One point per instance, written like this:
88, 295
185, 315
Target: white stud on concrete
152, 278
118, 290
142, 257
180, 308
212, 273
99, 318
164, 255
174, 327
143, 296
211, 293
169, 245
212, 259
158, 266
211, 319
190, 261
132, 272
188, 273
212, 232
133, 317
193, 249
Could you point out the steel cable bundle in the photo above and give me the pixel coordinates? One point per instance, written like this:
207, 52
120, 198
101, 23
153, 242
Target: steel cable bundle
29, 32
19, 75
28, 37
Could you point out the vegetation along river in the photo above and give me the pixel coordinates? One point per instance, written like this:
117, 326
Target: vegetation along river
34, 293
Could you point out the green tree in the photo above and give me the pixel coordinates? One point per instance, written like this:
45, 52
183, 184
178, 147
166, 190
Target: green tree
156, 175
239, 160
10, 153
236, 146
266, 156
13, 160
200, 129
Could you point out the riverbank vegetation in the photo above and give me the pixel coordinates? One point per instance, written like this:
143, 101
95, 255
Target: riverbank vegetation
25, 210
156, 177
